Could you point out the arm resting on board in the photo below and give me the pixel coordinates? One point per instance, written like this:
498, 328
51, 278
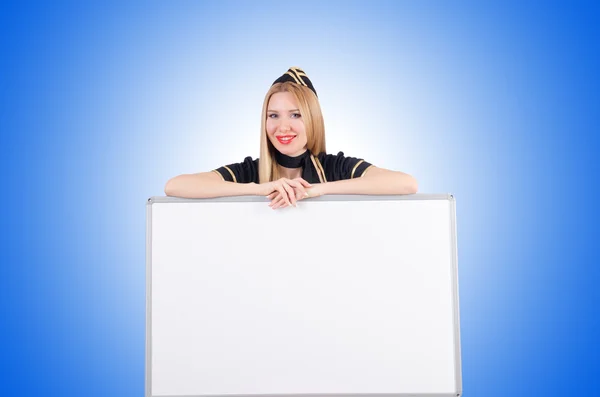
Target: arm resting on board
207, 185
375, 181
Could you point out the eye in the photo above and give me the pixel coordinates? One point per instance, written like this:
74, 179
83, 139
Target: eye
272, 116
296, 115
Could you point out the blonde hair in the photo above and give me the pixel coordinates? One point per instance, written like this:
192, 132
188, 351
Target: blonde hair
310, 110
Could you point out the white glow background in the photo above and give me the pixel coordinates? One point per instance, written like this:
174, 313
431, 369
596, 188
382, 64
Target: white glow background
102, 104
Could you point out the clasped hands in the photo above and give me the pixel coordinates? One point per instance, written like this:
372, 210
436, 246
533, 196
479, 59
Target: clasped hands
286, 192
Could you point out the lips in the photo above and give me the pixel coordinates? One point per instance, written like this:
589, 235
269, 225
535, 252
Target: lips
285, 139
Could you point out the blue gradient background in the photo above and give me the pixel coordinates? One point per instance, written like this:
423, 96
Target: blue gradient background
102, 103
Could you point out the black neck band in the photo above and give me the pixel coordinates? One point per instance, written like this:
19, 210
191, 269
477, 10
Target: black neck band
291, 162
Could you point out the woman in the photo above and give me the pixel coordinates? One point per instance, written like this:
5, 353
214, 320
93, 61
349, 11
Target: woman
293, 163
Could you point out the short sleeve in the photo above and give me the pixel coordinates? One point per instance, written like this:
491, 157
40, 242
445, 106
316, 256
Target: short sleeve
244, 172
339, 167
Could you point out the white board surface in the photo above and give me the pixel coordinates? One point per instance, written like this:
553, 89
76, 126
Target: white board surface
341, 295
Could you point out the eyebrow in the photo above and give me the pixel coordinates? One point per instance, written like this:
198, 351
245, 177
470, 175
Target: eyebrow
275, 111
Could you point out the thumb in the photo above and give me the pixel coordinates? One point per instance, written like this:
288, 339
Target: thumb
305, 183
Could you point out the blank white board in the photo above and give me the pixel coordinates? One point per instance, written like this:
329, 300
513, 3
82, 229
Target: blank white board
340, 295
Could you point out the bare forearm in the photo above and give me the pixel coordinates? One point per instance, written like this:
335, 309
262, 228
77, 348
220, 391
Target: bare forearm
195, 186
380, 182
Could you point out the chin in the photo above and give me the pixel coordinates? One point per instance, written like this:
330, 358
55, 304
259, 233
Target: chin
287, 150
292, 151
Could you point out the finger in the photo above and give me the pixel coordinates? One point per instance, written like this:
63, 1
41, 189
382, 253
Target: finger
279, 204
298, 191
272, 195
292, 196
304, 182
277, 200
284, 194
301, 195
282, 205
298, 188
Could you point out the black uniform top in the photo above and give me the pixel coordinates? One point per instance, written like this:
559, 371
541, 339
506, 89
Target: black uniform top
316, 169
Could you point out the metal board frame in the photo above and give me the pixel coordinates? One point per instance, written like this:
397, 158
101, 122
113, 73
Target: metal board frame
455, 291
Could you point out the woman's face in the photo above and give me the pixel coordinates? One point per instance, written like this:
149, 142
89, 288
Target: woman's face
285, 127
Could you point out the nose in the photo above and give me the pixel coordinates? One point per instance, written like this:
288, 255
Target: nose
284, 126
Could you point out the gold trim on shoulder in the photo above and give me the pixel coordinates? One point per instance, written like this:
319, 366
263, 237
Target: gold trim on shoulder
312, 158
367, 169
221, 175
231, 172
321, 168
355, 167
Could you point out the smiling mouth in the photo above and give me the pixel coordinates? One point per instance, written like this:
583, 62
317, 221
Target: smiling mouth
285, 139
